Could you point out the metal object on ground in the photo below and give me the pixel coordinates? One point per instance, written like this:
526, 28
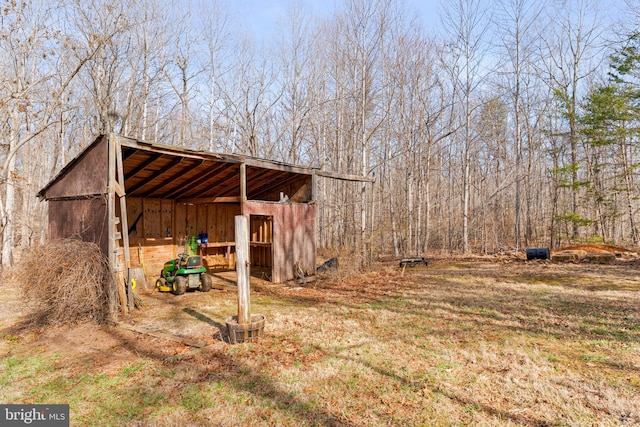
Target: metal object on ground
185, 272
330, 264
537, 253
411, 262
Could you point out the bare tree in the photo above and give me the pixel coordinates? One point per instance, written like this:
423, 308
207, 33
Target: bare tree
31, 91
467, 22
294, 53
516, 21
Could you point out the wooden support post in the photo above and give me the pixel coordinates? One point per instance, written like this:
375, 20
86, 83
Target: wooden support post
314, 186
114, 222
120, 192
243, 186
243, 268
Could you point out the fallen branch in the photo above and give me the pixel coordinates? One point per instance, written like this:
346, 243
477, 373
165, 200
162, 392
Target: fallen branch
163, 335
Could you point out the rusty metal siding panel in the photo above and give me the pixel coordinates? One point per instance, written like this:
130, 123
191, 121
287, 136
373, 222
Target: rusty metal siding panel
84, 219
86, 176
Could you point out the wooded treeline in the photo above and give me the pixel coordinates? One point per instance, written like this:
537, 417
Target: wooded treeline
510, 124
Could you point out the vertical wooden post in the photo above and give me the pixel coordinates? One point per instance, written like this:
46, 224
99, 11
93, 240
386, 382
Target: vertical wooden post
242, 268
120, 192
243, 182
243, 186
114, 222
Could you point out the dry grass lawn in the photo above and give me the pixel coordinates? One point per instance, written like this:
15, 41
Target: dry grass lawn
460, 342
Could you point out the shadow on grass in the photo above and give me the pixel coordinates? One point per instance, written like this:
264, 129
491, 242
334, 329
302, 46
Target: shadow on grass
564, 312
479, 303
417, 386
217, 365
222, 334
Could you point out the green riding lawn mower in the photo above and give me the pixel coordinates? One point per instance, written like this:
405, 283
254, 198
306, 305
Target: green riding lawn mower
184, 273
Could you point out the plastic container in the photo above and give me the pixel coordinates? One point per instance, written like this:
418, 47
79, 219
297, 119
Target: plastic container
203, 238
537, 253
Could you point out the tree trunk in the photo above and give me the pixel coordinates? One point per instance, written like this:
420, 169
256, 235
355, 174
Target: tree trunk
9, 203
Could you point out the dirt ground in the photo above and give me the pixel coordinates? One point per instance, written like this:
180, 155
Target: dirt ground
184, 316
168, 326
166, 318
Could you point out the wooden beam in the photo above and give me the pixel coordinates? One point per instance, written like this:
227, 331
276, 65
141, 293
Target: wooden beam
113, 222
119, 190
314, 189
266, 164
229, 188
78, 197
172, 177
243, 182
344, 177
119, 184
174, 151
243, 269
194, 183
128, 153
158, 334
153, 157
210, 200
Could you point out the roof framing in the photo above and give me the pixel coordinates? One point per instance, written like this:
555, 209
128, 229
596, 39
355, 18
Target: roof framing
161, 171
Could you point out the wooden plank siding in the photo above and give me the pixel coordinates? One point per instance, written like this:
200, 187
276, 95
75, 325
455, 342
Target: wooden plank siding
293, 236
173, 193
86, 176
84, 219
161, 231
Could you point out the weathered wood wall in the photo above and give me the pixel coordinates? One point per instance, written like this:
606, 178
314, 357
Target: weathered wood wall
85, 219
159, 229
85, 176
77, 200
293, 236
215, 219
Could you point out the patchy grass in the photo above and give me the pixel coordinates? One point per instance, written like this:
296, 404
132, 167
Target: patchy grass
452, 344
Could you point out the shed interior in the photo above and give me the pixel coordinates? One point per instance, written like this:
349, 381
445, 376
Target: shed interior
171, 194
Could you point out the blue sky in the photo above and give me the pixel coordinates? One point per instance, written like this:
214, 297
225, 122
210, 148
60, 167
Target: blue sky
263, 15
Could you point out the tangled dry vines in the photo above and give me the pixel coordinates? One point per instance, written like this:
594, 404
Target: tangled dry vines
67, 281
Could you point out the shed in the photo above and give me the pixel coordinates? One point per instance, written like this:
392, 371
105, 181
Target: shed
142, 200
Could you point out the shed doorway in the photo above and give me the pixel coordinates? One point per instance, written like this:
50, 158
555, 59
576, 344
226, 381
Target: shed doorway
261, 246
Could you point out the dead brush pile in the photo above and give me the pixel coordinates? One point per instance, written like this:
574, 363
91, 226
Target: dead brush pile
67, 281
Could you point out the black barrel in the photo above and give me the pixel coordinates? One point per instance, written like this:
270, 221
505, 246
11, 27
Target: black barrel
537, 253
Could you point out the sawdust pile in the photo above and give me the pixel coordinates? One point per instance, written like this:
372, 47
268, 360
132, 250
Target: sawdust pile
67, 281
